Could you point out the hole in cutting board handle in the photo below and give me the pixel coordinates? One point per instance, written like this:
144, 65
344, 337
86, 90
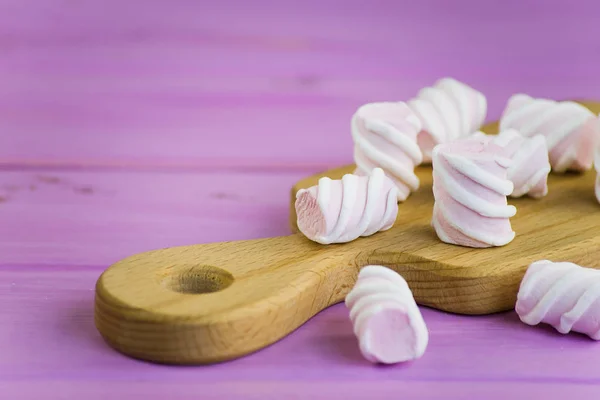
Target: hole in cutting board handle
198, 279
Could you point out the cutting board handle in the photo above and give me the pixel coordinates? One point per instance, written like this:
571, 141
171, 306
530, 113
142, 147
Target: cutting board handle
213, 302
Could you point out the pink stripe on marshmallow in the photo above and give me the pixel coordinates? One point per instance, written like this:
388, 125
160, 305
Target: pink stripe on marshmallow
563, 295
339, 211
385, 316
448, 110
470, 189
571, 130
385, 136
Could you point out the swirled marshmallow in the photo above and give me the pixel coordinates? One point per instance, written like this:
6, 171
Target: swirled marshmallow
448, 111
470, 189
385, 136
561, 294
339, 211
570, 129
530, 166
385, 316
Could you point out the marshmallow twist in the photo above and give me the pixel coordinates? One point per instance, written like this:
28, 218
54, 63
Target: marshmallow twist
561, 294
385, 136
470, 189
385, 316
530, 165
571, 130
448, 111
339, 211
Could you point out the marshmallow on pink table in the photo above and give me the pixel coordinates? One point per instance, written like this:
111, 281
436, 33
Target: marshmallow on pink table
448, 111
385, 316
571, 130
563, 295
470, 186
530, 165
339, 211
385, 136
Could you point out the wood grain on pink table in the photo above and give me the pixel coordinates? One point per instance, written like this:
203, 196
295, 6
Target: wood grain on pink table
130, 126
101, 83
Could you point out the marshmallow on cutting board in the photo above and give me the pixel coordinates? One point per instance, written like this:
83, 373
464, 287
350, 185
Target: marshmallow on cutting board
470, 188
339, 211
563, 295
448, 110
530, 166
385, 136
571, 130
385, 317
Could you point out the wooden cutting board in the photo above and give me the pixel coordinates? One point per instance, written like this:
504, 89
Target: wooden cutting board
213, 302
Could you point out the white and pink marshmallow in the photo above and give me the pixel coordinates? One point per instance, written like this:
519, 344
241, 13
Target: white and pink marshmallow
448, 110
470, 186
563, 295
385, 136
339, 211
571, 130
530, 164
386, 319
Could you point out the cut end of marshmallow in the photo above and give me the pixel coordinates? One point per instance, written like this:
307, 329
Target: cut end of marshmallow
472, 149
388, 337
385, 317
310, 218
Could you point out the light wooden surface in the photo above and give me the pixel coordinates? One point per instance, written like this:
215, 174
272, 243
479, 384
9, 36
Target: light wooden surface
214, 302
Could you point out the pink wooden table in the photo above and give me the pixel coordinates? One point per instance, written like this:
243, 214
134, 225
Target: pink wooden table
132, 125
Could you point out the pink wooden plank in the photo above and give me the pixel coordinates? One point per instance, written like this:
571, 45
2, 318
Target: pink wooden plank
273, 83
51, 348
100, 217
265, 390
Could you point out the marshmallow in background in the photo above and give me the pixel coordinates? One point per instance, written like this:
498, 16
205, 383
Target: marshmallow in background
385, 136
448, 110
571, 130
